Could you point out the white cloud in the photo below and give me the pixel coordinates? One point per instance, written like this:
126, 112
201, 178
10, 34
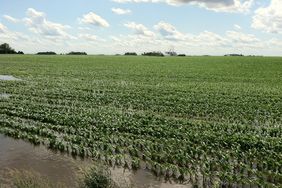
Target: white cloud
239, 37
215, 5
237, 27
202, 43
274, 42
206, 42
120, 11
168, 36
140, 29
94, 19
3, 28
169, 32
38, 24
159, 37
11, 36
84, 28
137, 43
88, 37
218, 5
115, 39
269, 19
208, 38
11, 19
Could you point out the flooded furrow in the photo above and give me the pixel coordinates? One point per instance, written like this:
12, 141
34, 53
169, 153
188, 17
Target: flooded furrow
62, 168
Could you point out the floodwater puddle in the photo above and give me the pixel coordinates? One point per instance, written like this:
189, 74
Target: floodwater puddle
20, 155
4, 96
62, 168
9, 78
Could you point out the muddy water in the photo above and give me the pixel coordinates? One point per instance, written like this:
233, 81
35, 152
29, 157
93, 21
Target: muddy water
17, 154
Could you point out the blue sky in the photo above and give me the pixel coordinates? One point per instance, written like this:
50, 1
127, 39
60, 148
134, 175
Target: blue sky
193, 27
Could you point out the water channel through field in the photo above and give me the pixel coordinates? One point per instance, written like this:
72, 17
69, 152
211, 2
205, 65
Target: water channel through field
57, 167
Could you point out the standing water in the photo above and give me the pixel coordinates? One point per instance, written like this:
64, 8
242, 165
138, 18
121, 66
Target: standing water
20, 155
61, 168
9, 78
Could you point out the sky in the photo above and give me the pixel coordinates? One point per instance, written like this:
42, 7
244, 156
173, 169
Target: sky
193, 27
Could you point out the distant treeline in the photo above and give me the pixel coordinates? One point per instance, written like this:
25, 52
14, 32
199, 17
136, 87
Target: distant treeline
131, 53
54, 53
159, 54
233, 55
46, 53
6, 49
77, 53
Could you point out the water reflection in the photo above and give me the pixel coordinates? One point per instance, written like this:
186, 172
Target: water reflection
17, 154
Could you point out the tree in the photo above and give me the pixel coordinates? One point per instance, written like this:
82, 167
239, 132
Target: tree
131, 53
159, 54
46, 53
181, 55
77, 53
234, 55
6, 49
